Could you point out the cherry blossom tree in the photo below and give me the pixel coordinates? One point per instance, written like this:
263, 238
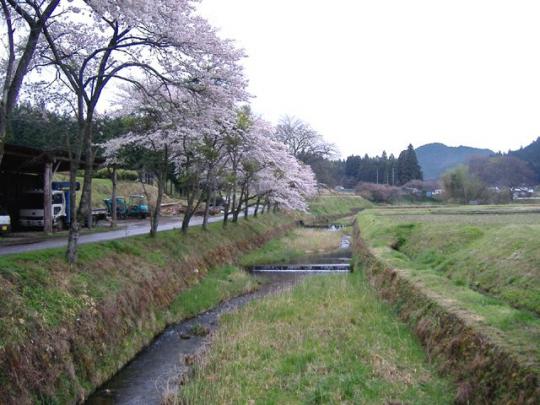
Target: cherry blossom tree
263, 169
284, 181
97, 42
182, 132
303, 142
23, 22
93, 43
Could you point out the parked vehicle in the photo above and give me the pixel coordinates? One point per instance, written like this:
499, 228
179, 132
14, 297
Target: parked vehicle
135, 206
31, 211
121, 207
5, 221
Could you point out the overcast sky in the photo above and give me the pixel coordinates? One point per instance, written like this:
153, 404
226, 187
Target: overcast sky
379, 74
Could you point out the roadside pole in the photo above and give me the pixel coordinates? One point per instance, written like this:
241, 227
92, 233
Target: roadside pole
47, 198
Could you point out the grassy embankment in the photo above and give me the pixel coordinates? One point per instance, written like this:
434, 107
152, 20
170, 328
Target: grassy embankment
64, 330
337, 204
102, 189
481, 264
328, 340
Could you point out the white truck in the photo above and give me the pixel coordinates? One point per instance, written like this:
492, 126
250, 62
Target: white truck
31, 211
32, 202
5, 221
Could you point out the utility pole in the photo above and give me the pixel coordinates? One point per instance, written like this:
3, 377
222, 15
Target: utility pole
393, 177
377, 175
47, 198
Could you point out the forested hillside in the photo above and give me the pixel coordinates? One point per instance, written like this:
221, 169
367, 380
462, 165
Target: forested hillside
530, 154
436, 158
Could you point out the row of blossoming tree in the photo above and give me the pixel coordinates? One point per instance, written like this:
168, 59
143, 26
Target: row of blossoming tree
181, 82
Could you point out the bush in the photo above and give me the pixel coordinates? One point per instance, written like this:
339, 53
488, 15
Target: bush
122, 174
461, 186
498, 196
380, 193
423, 185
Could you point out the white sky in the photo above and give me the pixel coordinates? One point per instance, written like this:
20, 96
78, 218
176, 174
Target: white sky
378, 74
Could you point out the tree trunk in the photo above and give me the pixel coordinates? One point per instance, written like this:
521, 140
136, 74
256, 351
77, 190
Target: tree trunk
257, 207
189, 212
209, 191
3, 130
185, 220
73, 236
233, 205
246, 208
226, 210
86, 197
206, 211
154, 215
235, 214
85, 207
113, 198
238, 209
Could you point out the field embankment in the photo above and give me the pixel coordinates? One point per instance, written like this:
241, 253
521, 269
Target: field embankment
65, 330
335, 205
328, 340
468, 282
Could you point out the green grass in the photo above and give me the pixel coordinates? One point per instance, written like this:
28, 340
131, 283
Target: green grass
40, 290
219, 284
336, 204
296, 244
134, 286
102, 189
482, 260
329, 340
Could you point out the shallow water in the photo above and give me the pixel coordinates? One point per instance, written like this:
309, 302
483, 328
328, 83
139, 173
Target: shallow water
159, 367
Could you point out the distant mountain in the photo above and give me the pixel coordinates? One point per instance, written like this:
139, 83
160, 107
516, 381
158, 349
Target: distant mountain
436, 158
530, 154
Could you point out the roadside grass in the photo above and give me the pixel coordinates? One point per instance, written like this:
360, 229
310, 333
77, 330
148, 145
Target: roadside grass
40, 290
336, 204
485, 264
329, 340
297, 243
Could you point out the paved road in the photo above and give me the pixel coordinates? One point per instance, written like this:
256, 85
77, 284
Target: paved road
137, 228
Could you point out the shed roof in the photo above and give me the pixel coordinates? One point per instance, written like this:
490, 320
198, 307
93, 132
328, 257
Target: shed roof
23, 159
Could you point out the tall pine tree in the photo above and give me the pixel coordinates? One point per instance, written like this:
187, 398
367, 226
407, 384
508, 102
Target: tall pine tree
408, 167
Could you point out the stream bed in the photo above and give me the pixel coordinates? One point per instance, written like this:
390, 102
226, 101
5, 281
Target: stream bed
159, 368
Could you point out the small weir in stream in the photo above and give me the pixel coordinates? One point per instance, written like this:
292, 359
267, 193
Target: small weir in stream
304, 268
166, 362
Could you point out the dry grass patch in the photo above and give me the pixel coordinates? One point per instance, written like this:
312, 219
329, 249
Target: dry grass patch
329, 340
295, 245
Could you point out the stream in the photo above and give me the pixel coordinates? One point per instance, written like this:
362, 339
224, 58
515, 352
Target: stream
160, 367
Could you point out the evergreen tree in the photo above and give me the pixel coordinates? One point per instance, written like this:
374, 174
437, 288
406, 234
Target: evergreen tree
408, 167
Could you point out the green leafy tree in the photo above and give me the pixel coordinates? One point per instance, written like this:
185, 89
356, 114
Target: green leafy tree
461, 186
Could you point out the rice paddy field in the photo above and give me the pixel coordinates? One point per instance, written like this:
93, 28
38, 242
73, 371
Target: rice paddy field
482, 260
